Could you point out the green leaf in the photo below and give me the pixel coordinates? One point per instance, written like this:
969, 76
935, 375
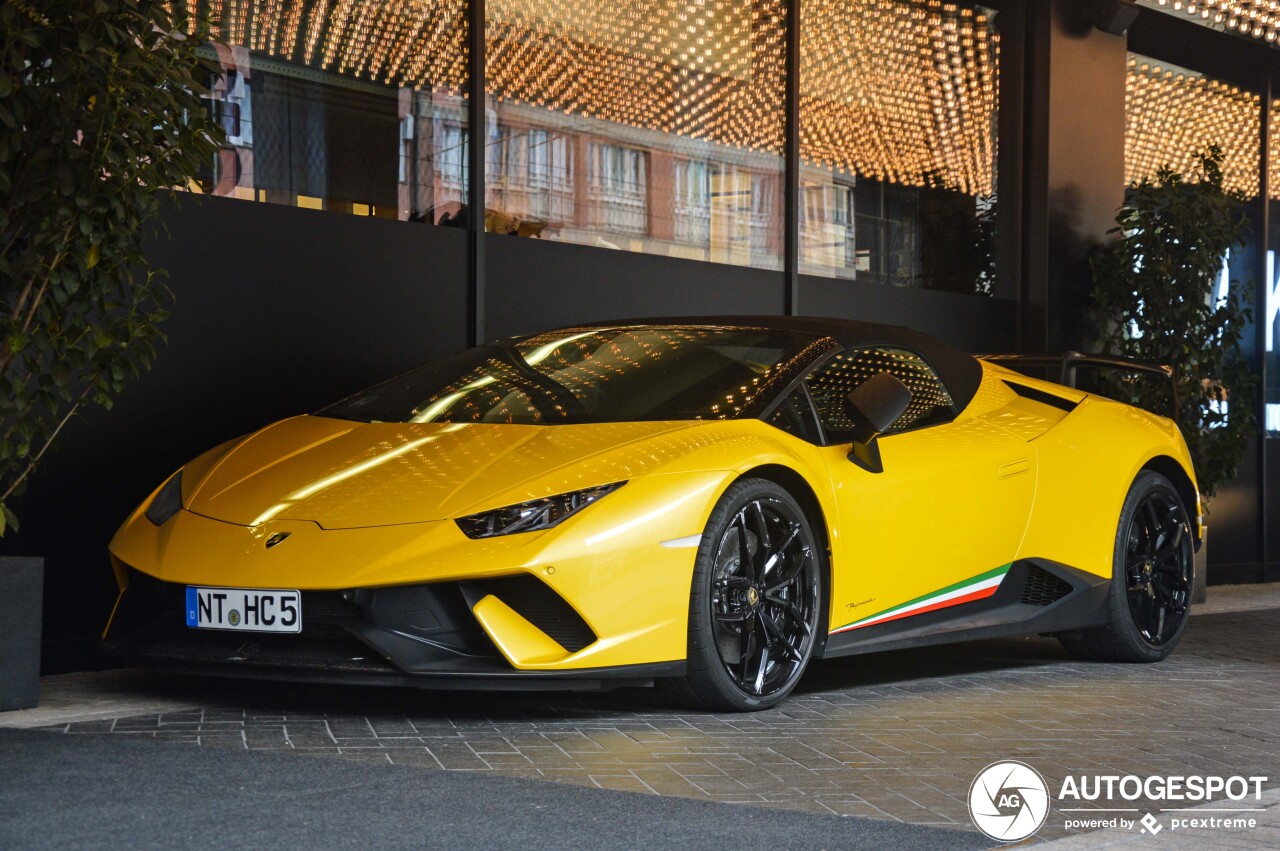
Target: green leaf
83, 203
1158, 277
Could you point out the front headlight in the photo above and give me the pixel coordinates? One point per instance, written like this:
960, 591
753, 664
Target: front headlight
532, 516
168, 501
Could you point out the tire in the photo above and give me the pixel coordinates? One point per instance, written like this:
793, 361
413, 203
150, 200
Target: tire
1149, 602
753, 627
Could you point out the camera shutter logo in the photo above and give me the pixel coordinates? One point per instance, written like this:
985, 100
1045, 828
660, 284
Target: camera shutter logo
1008, 801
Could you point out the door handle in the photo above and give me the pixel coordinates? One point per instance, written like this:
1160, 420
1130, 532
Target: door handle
1013, 468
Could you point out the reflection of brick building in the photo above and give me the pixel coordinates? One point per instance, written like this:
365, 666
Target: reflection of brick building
647, 125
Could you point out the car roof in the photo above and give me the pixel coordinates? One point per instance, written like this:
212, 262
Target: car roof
959, 371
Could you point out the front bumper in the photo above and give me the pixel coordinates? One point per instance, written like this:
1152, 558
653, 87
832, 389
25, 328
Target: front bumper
423, 635
599, 593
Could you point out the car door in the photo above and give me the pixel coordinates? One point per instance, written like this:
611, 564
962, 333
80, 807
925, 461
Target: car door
943, 520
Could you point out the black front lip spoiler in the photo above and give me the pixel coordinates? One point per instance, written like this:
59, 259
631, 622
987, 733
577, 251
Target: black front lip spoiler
580, 680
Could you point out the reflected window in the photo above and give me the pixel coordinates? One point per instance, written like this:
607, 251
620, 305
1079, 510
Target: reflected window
668, 115
356, 110
831, 383
898, 143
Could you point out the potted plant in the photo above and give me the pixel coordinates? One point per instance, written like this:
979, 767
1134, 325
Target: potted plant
1157, 298
101, 112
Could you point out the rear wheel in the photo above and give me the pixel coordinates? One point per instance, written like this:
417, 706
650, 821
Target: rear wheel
755, 611
1150, 598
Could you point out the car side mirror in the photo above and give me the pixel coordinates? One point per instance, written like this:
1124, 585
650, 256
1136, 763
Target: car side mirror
873, 406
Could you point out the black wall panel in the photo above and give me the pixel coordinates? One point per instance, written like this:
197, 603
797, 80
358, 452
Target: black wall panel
532, 285
1273, 510
969, 322
278, 311
1233, 525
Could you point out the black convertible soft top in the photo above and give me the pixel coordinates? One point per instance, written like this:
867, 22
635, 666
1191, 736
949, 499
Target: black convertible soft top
959, 371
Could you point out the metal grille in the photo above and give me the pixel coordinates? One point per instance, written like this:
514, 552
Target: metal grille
326, 606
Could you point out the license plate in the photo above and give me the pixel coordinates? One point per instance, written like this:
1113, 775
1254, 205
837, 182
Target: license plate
244, 609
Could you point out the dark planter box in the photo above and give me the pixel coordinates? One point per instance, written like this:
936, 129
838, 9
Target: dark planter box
21, 599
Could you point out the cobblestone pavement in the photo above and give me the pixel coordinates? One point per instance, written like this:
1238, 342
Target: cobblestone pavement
895, 735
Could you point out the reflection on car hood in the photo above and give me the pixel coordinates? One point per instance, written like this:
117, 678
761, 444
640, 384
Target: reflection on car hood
342, 474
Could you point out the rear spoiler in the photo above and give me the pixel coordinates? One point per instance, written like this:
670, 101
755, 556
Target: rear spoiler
1067, 363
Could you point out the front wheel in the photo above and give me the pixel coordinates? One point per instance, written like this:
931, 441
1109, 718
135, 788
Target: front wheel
755, 611
1150, 598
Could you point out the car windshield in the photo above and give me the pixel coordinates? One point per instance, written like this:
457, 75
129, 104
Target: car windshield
595, 375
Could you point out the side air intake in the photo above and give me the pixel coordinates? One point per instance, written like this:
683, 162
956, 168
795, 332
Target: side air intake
534, 601
1042, 588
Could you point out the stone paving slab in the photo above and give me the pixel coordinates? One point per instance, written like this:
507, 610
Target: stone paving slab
104, 695
896, 735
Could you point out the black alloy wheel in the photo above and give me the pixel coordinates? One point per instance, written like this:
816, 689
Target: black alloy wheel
756, 608
1150, 600
1158, 565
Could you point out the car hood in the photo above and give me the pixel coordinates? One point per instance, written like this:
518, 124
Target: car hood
342, 474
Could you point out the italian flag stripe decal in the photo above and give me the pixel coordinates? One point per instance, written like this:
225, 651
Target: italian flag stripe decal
979, 587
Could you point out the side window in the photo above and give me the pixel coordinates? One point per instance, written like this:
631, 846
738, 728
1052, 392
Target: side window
795, 416
830, 384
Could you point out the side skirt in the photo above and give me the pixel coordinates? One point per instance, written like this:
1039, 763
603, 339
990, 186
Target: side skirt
1036, 596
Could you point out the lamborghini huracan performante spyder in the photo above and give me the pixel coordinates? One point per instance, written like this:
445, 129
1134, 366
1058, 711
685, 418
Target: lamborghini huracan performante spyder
705, 504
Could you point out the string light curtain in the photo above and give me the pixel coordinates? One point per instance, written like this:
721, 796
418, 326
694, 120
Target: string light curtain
706, 69
902, 92
419, 44
1257, 18
657, 125
670, 113
1170, 113
897, 90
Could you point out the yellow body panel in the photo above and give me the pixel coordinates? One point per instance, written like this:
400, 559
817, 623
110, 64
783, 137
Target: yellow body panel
1091, 459
370, 505
940, 512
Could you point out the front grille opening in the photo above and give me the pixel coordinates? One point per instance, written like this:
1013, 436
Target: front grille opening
327, 606
1042, 588
534, 601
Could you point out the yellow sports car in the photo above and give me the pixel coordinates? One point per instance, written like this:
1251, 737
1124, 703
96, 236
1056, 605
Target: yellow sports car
705, 503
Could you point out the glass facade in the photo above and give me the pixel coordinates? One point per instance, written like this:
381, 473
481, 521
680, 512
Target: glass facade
1268, 305
1170, 114
655, 126
1259, 20
898, 143
644, 125
351, 106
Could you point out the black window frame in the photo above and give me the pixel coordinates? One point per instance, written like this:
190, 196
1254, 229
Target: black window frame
798, 384
831, 355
